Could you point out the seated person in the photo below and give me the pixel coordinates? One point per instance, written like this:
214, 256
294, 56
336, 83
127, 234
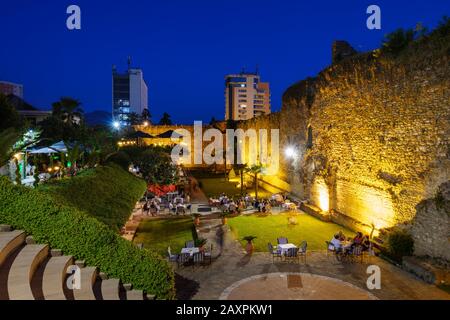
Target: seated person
336, 243
341, 236
366, 243
358, 239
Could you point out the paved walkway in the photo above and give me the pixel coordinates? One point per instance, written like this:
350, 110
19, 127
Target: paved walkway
231, 265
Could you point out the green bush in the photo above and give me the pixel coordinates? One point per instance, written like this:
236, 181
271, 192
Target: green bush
400, 244
76, 233
108, 193
120, 158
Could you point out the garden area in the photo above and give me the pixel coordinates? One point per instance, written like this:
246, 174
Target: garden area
214, 184
158, 234
269, 228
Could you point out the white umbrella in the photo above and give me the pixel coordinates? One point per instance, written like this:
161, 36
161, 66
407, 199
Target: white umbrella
60, 146
44, 150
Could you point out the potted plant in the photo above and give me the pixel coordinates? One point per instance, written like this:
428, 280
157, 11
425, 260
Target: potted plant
197, 218
200, 243
249, 247
224, 216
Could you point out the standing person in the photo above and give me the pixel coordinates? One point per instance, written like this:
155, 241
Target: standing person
146, 208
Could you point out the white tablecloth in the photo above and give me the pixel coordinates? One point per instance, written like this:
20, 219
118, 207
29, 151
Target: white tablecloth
284, 247
191, 251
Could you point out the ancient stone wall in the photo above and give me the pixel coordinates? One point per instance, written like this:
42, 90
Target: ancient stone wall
372, 135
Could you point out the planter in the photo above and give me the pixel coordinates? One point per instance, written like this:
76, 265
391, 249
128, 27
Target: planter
249, 247
224, 220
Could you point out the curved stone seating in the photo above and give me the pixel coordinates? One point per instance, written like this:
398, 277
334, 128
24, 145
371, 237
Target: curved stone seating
10, 241
28, 271
135, 295
111, 289
54, 278
88, 277
23, 269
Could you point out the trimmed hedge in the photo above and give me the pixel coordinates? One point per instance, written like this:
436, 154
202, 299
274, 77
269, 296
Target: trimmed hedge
108, 193
84, 237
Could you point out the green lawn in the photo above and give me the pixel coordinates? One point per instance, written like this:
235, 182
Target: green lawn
161, 233
269, 228
215, 184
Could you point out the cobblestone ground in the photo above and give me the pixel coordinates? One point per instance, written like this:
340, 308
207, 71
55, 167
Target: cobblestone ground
231, 264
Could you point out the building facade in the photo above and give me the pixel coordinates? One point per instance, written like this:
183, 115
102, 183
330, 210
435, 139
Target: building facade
246, 96
8, 88
129, 95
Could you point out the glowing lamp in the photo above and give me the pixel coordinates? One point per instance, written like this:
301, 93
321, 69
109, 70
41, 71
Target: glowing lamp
289, 152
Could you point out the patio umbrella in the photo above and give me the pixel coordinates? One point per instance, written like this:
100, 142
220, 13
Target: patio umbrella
60, 146
46, 150
168, 134
139, 134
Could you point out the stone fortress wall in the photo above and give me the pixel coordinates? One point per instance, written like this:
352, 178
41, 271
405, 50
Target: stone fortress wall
372, 136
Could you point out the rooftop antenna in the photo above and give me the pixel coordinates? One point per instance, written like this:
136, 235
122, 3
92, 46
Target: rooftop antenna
114, 68
243, 70
129, 62
257, 70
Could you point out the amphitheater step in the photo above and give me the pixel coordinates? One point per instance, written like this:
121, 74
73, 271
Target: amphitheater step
10, 241
135, 295
86, 290
22, 271
111, 289
5, 228
54, 278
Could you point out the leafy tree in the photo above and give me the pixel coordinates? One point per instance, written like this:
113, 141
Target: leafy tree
134, 118
213, 121
67, 109
17, 172
9, 117
165, 120
146, 116
157, 167
7, 139
398, 40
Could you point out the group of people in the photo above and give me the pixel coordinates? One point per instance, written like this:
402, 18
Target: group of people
341, 244
177, 204
238, 204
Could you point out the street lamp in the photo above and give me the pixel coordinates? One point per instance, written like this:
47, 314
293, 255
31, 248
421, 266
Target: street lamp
290, 152
116, 124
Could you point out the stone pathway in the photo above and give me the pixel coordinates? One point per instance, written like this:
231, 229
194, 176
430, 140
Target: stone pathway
231, 264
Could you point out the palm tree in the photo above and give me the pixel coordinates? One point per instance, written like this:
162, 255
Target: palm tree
67, 109
241, 168
255, 170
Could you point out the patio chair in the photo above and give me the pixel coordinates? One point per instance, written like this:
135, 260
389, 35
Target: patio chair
302, 250
292, 254
183, 258
172, 257
282, 240
357, 253
198, 259
208, 253
189, 244
330, 247
276, 253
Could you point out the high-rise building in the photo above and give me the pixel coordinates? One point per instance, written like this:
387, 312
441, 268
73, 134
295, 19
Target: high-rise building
8, 88
246, 96
130, 95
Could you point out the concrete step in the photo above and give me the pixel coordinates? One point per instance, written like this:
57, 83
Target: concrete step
111, 289
22, 271
54, 278
5, 228
135, 295
88, 278
10, 241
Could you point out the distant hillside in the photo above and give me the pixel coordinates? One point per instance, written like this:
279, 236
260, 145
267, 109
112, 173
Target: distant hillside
98, 118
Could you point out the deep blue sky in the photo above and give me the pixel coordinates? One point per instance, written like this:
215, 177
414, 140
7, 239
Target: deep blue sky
185, 47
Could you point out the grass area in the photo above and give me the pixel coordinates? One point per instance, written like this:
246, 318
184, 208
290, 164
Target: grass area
107, 193
213, 185
269, 228
158, 234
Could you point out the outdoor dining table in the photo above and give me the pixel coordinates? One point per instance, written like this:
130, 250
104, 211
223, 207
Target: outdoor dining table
191, 251
284, 247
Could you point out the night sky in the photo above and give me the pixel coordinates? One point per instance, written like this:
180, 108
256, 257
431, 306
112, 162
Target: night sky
185, 47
